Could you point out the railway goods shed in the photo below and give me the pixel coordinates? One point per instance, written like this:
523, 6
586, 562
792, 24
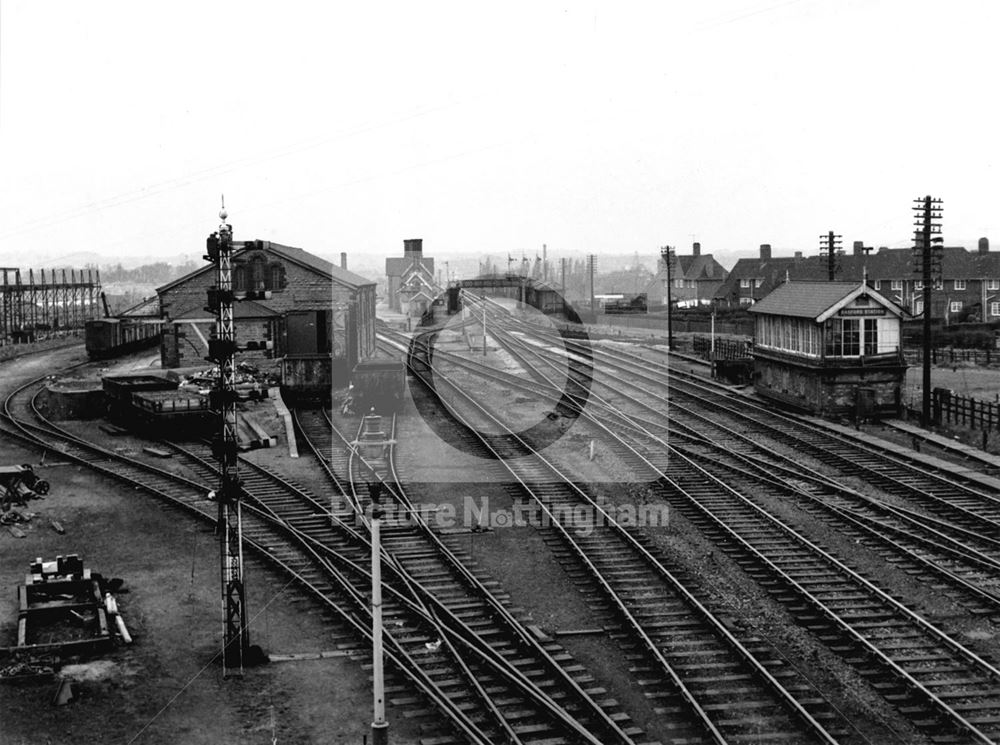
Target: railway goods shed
314, 310
831, 348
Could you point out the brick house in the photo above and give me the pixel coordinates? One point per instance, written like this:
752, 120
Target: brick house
695, 279
969, 281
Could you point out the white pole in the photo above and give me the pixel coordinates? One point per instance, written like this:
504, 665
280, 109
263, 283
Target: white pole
380, 727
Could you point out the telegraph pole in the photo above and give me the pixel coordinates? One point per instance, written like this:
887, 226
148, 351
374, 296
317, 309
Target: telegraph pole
591, 263
667, 254
830, 245
927, 242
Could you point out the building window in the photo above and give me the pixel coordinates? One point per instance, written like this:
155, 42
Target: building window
918, 307
959, 284
239, 278
871, 336
678, 283
746, 300
993, 284
918, 284
876, 284
745, 283
938, 284
257, 270
897, 284
956, 306
995, 309
843, 337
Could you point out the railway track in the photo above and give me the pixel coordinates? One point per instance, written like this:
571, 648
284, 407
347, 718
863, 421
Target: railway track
335, 573
717, 686
419, 553
843, 607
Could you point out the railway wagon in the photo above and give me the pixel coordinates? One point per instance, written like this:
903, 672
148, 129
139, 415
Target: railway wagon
110, 337
379, 385
119, 390
308, 377
171, 413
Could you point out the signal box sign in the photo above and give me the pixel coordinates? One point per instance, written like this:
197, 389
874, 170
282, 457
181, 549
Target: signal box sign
876, 311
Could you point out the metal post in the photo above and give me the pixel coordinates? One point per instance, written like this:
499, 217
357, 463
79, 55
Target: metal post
222, 349
484, 329
380, 727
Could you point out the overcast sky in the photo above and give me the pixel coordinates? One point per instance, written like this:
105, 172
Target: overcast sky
596, 127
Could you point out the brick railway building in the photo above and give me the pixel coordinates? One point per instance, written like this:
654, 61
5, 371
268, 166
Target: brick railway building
832, 348
316, 309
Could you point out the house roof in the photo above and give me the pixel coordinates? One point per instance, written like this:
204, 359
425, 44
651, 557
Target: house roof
396, 265
816, 300
296, 255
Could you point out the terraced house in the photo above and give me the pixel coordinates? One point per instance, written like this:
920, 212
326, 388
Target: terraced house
967, 288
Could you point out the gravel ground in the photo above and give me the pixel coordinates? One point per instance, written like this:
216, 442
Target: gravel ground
166, 687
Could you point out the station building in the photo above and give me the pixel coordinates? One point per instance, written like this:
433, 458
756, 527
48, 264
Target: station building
411, 287
831, 348
316, 311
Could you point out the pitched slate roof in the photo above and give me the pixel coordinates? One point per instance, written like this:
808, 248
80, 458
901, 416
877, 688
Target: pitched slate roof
297, 255
804, 299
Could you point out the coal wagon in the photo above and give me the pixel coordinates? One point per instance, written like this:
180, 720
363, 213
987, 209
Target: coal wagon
111, 337
379, 385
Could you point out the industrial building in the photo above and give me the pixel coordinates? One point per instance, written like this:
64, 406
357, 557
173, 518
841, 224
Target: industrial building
832, 348
315, 309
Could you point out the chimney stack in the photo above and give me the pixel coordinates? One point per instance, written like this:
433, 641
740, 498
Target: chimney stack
798, 256
343, 259
696, 249
413, 248
765, 251
859, 248
984, 245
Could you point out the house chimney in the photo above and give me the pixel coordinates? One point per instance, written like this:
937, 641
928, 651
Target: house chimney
696, 249
765, 251
798, 256
413, 248
984, 245
859, 248
343, 259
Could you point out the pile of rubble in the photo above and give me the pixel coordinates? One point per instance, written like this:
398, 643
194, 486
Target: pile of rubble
251, 383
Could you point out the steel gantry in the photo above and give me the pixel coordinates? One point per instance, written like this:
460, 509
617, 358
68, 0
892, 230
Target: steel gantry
56, 302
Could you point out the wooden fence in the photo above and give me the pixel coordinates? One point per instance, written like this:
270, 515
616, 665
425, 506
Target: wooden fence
950, 355
949, 408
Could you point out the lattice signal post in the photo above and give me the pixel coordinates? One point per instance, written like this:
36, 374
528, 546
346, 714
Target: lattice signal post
222, 349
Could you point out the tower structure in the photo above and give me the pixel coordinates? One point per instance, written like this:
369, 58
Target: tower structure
222, 351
